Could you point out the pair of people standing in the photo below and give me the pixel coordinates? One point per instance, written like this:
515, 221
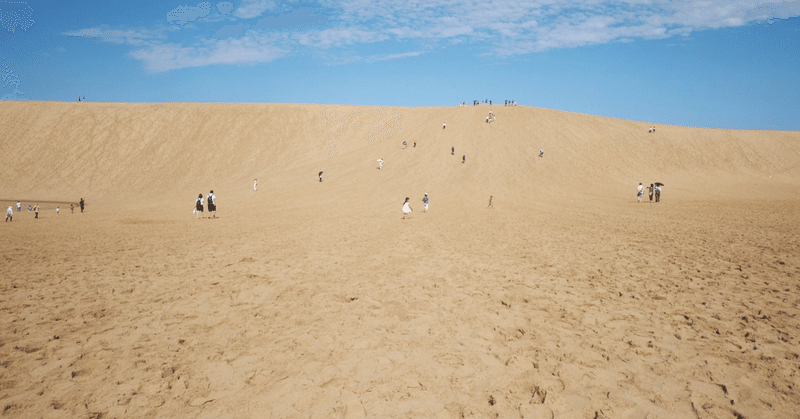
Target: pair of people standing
212, 205
407, 205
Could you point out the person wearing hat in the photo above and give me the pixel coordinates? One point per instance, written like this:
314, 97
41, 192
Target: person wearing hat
425, 201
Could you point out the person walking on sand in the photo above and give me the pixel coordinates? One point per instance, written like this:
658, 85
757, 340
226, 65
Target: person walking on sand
640, 193
658, 193
406, 208
320, 176
198, 207
541, 153
463, 159
81, 205
425, 201
490, 202
452, 151
58, 210
651, 190
19, 206
36, 211
71, 208
212, 205
255, 185
10, 214
404, 145
444, 125
380, 164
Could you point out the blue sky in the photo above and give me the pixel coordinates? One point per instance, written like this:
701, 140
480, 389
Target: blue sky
707, 64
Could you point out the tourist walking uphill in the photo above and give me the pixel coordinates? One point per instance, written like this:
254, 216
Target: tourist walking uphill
212, 205
10, 214
640, 193
198, 206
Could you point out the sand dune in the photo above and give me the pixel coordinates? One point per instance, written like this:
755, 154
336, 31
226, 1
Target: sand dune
306, 299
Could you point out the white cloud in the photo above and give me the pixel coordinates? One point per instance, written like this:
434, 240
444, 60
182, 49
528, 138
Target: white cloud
251, 49
183, 14
137, 36
253, 8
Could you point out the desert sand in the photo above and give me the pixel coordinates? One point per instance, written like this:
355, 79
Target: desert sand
310, 299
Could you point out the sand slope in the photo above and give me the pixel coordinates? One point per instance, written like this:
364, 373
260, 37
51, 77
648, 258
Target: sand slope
306, 299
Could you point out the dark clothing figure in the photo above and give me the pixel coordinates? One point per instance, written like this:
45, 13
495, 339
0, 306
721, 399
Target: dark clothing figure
452, 151
81, 204
320, 176
463, 159
658, 195
650, 190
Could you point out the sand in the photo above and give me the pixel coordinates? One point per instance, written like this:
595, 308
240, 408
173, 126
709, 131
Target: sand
567, 299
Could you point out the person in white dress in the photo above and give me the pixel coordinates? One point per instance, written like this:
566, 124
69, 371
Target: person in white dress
406, 208
640, 193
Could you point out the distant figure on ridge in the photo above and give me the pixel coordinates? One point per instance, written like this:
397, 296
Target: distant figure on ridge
198, 207
380, 164
10, 214
490, 202
320, 176
255, 185
406, 208
640, 193
212, 205
425, 201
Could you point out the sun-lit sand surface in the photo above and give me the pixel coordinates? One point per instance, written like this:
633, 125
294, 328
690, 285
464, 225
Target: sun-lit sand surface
567, 299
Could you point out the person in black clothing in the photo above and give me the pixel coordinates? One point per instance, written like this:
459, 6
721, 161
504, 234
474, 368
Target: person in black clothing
650, 190
81, 204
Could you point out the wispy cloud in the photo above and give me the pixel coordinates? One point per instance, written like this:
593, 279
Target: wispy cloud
253, 8
183, 14
129, 36
251, 49
15, 15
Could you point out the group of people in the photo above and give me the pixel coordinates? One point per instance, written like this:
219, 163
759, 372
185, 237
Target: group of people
654, 190
35, 209
652, 129
212, 204
407, 205
511, 103
491, 117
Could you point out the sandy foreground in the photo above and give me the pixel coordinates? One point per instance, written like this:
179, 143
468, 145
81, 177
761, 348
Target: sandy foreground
567, 299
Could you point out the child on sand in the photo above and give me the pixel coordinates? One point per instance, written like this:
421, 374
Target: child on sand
10, 213
198, 206
640, 194
406, 208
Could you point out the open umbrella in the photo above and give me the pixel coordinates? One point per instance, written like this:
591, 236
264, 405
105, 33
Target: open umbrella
659, 184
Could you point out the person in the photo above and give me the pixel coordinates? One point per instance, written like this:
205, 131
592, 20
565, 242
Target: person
541, 153
463, 159
651, 189
212, 205
320, 176
58, 210
81, 204
415, 144
198, 206
425, 201
29, 208
406, 208
10, 214
452, 151
380, 163
71, 209
506, 104
404, 145
19, 206
490, 202
487, 119
658, 193
36, 211
640, 193
255, 184
444, 125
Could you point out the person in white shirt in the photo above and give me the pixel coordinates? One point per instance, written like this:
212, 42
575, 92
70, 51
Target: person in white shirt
58, 210
212, 205
406, 208
444, 125
9, 214
198, 207
19, 206
380, 164
255, 184
640, 194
